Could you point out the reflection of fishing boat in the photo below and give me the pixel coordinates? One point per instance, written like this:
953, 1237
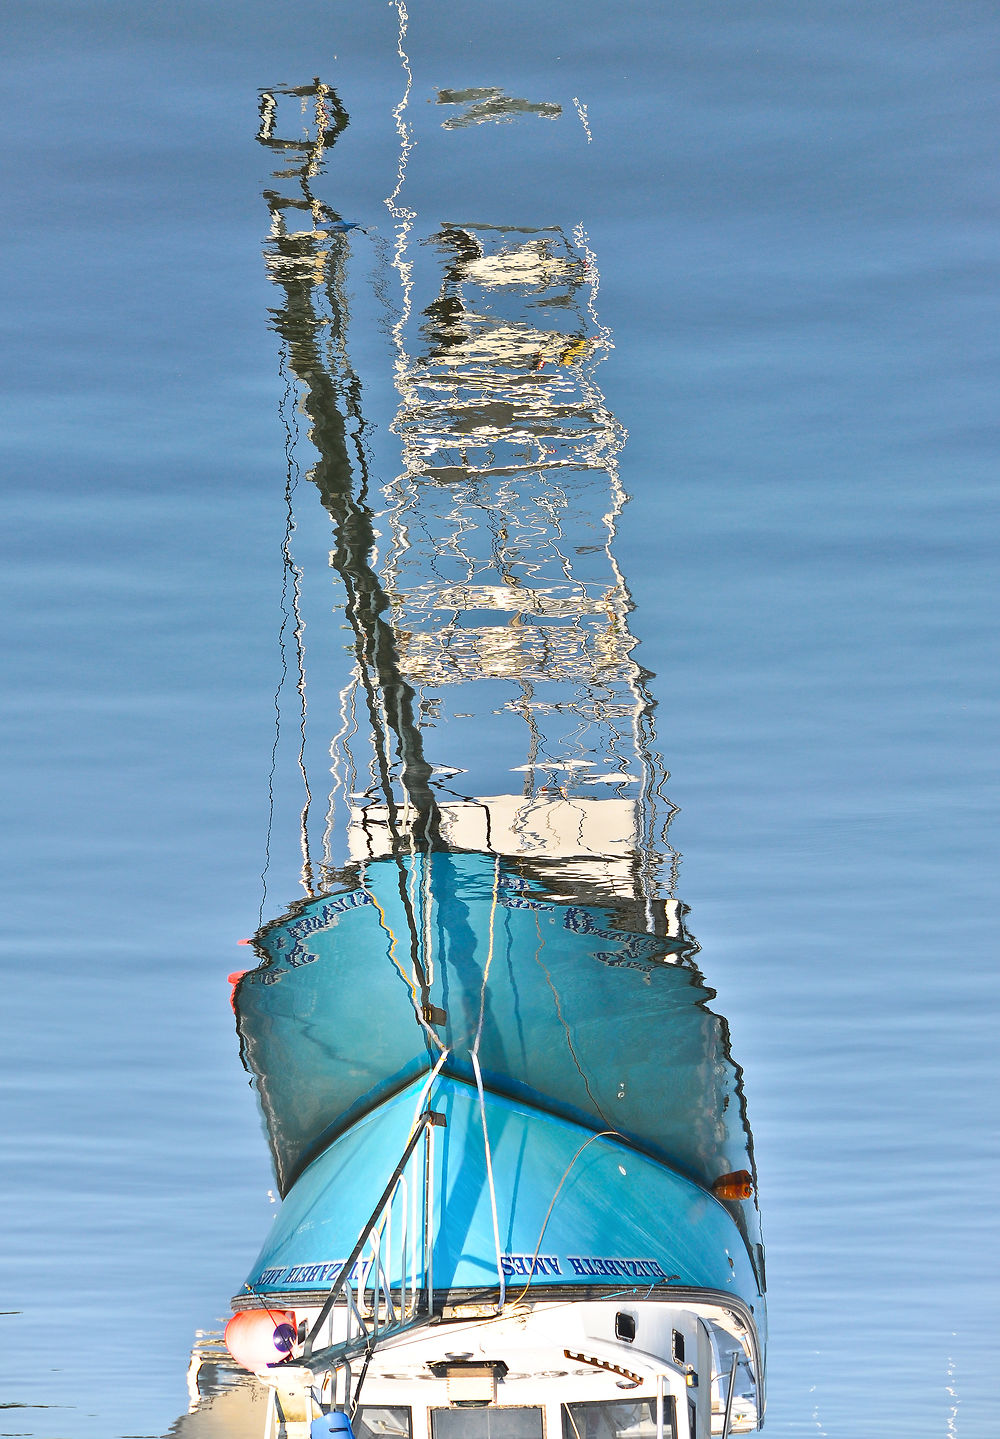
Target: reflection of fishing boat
517, 1180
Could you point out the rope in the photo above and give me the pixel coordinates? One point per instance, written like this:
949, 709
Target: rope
489, 957
474, 1056
393, 943
426, 1089
489, 1176
604, 1134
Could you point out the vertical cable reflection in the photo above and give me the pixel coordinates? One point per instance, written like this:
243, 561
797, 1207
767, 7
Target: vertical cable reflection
309, 266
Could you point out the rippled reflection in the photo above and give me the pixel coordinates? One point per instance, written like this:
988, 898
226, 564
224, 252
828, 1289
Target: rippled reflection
491, 103
507, 1129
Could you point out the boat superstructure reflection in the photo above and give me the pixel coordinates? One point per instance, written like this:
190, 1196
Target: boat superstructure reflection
510, 1139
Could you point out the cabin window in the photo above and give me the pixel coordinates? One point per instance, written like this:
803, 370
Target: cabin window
625, 1327
493, 1421
375, 1421
625, 1419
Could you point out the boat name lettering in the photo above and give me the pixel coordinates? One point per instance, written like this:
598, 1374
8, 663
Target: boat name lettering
615, 961
581, 921
515, 894
290, 942
529, 1264
634, 950
617, 1268
588, 1266
309, 1274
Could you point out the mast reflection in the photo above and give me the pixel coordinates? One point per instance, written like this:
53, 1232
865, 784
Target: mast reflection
507, 1129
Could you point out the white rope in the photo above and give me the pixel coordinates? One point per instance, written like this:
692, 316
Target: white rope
489, 957
474, 1056
489, 1176
426, 1089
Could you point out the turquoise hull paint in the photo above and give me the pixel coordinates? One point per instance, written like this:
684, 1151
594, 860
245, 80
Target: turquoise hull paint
583, 1019
646, 1226
558, 970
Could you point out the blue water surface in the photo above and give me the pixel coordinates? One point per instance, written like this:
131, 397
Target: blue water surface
792, 210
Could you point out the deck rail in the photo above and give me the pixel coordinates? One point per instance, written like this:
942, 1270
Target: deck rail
386, 1284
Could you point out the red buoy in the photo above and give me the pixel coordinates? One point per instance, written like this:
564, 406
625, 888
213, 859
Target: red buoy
259, 1337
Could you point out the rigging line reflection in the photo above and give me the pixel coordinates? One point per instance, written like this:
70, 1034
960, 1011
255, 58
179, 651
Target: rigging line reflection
294, 571
298, 264
291, 480
342, 770
403, 218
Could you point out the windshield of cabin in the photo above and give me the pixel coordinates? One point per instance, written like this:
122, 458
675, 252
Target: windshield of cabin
624, 1419
376, 1421
494, 1421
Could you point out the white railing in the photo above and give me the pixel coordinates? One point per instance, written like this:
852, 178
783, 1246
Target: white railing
387, 1282
386, 1285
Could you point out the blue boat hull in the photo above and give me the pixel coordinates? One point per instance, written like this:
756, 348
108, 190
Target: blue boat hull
575, 1208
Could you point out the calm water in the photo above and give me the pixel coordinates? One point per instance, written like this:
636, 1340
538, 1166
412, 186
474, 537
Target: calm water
789, 211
